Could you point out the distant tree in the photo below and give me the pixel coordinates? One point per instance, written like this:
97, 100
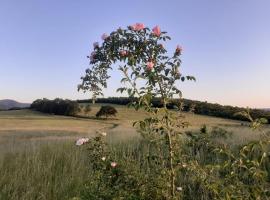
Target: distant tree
92, 82
106, 111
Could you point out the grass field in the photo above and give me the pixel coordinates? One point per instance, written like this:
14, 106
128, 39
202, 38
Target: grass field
38, 158
26, 126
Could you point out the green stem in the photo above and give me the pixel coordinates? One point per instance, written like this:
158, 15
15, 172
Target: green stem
172, 173
169, 137
171, 155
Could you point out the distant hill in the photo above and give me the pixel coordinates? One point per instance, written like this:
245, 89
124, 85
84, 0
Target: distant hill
6, 104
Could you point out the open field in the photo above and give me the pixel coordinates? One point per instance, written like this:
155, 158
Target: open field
18, 127
38, 158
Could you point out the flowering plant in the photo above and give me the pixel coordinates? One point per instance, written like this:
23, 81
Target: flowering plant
178, 167
141, 56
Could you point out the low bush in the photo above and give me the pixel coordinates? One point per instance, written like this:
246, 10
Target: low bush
106, 111
206, 168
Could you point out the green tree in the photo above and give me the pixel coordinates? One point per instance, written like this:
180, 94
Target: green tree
106, 111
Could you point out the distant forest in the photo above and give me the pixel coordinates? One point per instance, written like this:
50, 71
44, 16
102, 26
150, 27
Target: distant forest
198, 107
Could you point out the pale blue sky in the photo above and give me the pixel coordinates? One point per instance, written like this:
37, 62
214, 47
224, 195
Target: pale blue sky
44, 44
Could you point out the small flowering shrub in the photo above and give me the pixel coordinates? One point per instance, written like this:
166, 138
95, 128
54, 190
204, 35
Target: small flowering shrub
167, 163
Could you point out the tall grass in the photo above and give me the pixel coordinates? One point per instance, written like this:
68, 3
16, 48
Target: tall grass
63, 171
51, 172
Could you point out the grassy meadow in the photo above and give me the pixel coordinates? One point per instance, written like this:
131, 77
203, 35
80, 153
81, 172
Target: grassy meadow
39, 159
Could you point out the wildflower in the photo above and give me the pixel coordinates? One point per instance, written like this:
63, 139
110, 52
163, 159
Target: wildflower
178, 50
113, 164
179, 189
103, 134
123, 53
137, 27
184, 165
104, 36
150, 65
82, 141
156, 31
103, 158
92, 56
95, 44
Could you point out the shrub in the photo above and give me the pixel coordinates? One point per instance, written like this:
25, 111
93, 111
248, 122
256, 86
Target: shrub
106, 111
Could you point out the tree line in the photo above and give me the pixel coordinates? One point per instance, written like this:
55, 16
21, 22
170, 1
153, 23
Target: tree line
57, 106
197, 107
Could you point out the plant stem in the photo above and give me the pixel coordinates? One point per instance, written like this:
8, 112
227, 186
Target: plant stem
172, 173
169, 137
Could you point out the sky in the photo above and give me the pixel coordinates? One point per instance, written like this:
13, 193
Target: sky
44, 44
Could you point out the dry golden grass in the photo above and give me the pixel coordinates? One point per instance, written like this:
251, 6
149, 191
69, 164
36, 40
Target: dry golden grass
28, 126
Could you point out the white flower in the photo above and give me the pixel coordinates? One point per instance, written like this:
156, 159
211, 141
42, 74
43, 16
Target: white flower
179, 188
103, 158
113, 164
82, 141
103, 134
184, 165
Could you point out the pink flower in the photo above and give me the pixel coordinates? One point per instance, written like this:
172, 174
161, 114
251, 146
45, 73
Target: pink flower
150, 65
179, 49
104, 36
123, 53
95, 44
156, 31
92, 56
113, 164
132, 27
161, 46
82, 141
137, 27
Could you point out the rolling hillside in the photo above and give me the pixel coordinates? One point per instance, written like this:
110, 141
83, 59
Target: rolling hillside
6, 104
